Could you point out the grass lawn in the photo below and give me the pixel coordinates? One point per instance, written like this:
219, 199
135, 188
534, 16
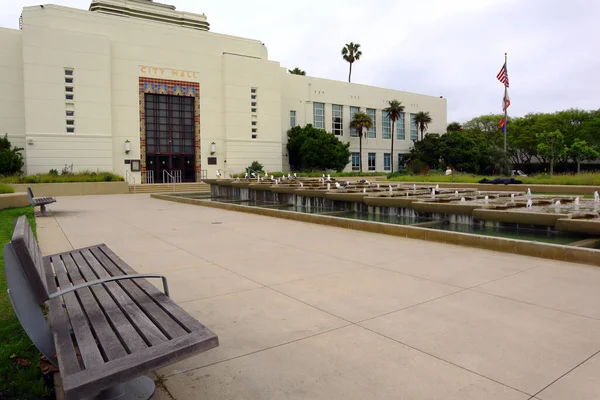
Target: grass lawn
16, 381
590, 179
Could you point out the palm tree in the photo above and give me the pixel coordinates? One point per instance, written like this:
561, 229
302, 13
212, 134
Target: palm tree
393, 112
297, 71
422, 119
360, 122
351, 53
454, 127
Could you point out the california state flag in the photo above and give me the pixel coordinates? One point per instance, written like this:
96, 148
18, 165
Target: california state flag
505, 100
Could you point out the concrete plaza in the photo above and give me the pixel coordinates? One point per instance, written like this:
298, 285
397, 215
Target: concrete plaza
307, 311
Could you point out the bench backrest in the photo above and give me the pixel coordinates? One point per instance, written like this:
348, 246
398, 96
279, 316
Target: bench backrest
28, 253
26, 287
30, 195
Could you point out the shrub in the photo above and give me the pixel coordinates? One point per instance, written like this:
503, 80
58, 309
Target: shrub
67, 170
312, 149
254, 167
417, 167
53, 172
6, 189
11, 159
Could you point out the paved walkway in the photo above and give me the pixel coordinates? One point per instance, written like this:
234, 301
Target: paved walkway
313, 312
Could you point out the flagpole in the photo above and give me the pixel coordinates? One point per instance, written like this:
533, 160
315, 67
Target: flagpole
505, 109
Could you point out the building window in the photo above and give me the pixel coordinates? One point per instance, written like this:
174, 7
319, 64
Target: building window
292, 119
400, 160
253, 90
68, 71
68, 80
70, 129
400, 128
254, 123
69, 89
338, 119
371, 132
253, 104
253, 96
70, 122
414, 132
69, 97
355, 161
70, 113
254, 136
319, 115
371, 161
254, 130
253, 109
387, 161
386, 129
353, 110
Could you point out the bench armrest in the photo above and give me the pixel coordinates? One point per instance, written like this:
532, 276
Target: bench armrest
112, 278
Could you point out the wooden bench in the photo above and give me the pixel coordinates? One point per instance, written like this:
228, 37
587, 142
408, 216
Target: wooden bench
108, 326
40, 202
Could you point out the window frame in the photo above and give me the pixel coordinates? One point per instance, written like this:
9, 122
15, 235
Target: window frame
292, 117
374, 159
414, 137
355, 156
322, 115
353, 132
337, 127
386, 123
401, 128
372, 132
387, 161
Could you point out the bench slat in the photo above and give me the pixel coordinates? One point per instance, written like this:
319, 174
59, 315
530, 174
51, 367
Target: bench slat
138, 316
110, 343
85, 340
155, 312
146, 360
124, 328
59, 322
174, 310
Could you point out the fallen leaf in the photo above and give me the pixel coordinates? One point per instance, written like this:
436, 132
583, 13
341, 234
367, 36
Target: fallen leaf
23, 362
46, 366
13, 356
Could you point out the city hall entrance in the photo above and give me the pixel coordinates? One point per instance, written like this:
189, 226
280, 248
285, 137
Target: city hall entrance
170, 150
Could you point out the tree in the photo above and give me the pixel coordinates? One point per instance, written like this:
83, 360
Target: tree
313, 149
552, 146
393, 112
351, 53
454, 127
426, 151
296, 71
360, 122
11, 159
459, 151
422, 119
581, 151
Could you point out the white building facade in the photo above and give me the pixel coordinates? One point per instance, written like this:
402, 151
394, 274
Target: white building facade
132, 85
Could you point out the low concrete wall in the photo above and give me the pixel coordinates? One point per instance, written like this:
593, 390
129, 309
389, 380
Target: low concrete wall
567, 189
73, 189
526, 248
10, 200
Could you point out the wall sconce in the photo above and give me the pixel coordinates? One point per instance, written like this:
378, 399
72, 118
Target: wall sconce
213, 148
127, 146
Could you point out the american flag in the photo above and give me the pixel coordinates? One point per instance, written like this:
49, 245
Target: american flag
503, 75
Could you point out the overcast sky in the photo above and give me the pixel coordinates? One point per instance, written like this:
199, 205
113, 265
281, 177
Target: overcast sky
450, 48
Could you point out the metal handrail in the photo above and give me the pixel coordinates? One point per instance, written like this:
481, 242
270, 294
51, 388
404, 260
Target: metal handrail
203, 174
150, 177
129, 177
113, 278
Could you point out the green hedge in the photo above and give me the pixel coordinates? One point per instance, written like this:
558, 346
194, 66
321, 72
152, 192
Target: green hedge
52, 178
4, 188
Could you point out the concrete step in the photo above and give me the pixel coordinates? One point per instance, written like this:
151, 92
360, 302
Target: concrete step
169, 187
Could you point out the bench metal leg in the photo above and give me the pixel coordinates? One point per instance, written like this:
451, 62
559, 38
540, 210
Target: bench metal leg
141, 388
43, 209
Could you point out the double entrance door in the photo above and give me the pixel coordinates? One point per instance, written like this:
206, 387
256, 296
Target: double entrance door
170, 137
